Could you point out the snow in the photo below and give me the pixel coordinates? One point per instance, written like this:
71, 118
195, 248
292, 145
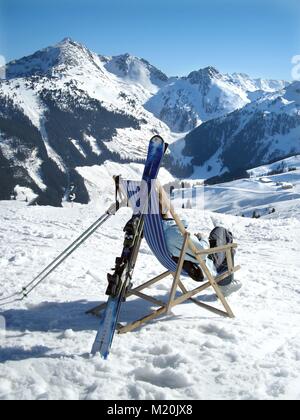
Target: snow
244, 196
176, 147
24, 194
70, 62
133, 70
180, 99
50, 151
25, 98
285, 101
33, 166
190, 354
277, 116
129, 143
255, 85
185, 103
6, 148
212, 167
76, 144
93, 143
283, 165
99, 179
132, 86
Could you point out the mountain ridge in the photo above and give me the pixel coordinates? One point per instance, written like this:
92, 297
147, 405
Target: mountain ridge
259, 133
206, 94
85, 108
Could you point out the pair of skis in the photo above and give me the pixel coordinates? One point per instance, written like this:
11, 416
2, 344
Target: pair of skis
109, 321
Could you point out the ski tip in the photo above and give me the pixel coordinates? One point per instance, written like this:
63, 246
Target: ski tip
96, 352
157, 139
99, 355
95, 349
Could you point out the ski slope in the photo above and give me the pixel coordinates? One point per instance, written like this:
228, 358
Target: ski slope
191, 354
292, 162
260, 194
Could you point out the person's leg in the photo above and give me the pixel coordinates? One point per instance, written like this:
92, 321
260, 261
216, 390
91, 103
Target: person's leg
193, 270
220, 237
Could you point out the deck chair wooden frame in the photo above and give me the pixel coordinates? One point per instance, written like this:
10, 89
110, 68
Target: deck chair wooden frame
166, 307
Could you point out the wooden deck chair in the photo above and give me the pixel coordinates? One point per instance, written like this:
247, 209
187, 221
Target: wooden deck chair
154, 235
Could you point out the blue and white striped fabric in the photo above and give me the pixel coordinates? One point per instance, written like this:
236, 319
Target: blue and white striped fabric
153, 230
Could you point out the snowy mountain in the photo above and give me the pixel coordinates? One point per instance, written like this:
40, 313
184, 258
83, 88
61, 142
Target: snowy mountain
251, 85
54, 60
65, 108
136, 71
61, 109
186, 102
263, 131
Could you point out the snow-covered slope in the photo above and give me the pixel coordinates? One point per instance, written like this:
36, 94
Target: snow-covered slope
61, 108
261, 132
184, 103
283, 165
74, 69
99, 179
53, 60
135, 71
191, 354
262, 195
271, 191
65, 108
251, 85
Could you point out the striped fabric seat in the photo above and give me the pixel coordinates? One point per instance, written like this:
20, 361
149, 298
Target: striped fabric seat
153, 230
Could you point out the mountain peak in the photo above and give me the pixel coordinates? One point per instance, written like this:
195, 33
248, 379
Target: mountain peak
240, 75
63, 55
128, 55
136, 70
66, 40
210, 70
69, 43
203, 75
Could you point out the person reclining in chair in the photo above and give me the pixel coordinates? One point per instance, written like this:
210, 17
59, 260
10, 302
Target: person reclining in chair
216, 263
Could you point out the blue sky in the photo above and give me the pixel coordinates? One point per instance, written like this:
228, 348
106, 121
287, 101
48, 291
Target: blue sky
258, 37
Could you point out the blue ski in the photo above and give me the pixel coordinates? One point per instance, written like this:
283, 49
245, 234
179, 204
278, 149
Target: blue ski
109, 321
107, 328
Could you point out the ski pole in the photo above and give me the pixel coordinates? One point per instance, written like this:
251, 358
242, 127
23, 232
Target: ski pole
59, 260
52, 267
65, 254
75, 245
